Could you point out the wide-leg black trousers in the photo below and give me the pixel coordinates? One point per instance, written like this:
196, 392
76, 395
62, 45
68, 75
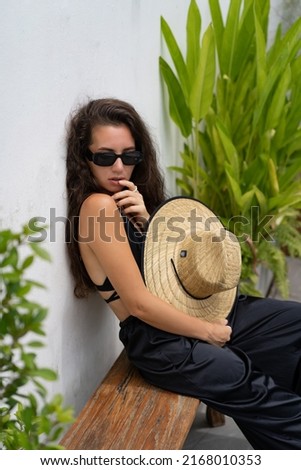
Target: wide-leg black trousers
255, 378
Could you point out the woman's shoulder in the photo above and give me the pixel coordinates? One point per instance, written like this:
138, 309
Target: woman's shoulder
97, 201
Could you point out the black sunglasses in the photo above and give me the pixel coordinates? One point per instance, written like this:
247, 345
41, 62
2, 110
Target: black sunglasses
132, 157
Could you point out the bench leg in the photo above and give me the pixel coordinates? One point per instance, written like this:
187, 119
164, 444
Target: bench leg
214, 418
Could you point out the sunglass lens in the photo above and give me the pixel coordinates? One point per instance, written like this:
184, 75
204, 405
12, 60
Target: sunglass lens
131, 158
104, 158
109, 158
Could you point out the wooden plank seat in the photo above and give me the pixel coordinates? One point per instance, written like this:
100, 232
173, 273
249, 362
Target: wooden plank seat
125, 412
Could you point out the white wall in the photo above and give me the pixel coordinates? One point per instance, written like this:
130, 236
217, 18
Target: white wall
55, 54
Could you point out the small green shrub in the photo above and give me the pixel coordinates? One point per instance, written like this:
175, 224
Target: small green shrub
27, 419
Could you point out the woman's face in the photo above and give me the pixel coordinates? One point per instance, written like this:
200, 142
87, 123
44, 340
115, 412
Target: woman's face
116, 139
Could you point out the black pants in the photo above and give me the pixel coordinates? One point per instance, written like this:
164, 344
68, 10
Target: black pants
255, 379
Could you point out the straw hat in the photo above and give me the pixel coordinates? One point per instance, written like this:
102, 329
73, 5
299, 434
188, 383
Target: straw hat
190, 260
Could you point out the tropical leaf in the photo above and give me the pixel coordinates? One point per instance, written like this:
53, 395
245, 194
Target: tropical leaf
193, 33
176, 56
289, 175
262, 200
286, 199
230, 150
235, 189
273, 178
277, 105
202, 87
178, 108
261, 65
244, 51
218, 27
246, 200
229, 43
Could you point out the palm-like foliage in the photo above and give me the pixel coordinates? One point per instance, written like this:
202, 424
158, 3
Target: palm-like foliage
237, 104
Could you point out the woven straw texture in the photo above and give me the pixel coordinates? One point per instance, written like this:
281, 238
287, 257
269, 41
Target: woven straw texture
190, 260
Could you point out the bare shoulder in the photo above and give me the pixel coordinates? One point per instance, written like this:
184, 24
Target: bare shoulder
100, 206
100, 220
96, 202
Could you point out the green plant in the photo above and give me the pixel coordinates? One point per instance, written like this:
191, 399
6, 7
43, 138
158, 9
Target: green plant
27, 419
237, 104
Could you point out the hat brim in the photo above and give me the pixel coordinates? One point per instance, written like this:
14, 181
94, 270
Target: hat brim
172, 221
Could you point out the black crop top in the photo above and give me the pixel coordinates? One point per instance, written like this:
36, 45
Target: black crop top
135, 238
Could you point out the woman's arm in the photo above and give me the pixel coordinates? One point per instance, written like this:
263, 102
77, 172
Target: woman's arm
102, 227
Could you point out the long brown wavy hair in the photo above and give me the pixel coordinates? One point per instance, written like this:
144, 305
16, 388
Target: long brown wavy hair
80, 181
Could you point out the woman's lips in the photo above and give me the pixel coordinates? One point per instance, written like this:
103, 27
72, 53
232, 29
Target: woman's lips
115, 180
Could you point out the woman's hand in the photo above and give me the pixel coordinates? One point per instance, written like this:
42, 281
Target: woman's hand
218, 332
131, 203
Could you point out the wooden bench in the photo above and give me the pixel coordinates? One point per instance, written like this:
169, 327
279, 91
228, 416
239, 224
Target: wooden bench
127, 413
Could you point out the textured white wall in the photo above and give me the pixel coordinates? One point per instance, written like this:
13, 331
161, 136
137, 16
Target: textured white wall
55, 54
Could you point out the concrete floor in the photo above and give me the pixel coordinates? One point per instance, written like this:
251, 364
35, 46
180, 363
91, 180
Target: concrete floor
226, 437
229, 436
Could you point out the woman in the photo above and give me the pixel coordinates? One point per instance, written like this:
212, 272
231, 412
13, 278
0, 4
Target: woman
233, 365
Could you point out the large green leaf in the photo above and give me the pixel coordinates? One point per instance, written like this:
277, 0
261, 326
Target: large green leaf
285, 199
176, 56
235, 188
245, 37
294, 148
262, 9
261, 65
230, 150
230, 35
292, 39
275, 72
207, 154
273, 178
179, 110
253, 173
275, 46
290, 179
293, 117
287, 49
193, 34
277, 105
217, 147
218, 27
241, 104
202, 87
262, 200
246, 200
289, 175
